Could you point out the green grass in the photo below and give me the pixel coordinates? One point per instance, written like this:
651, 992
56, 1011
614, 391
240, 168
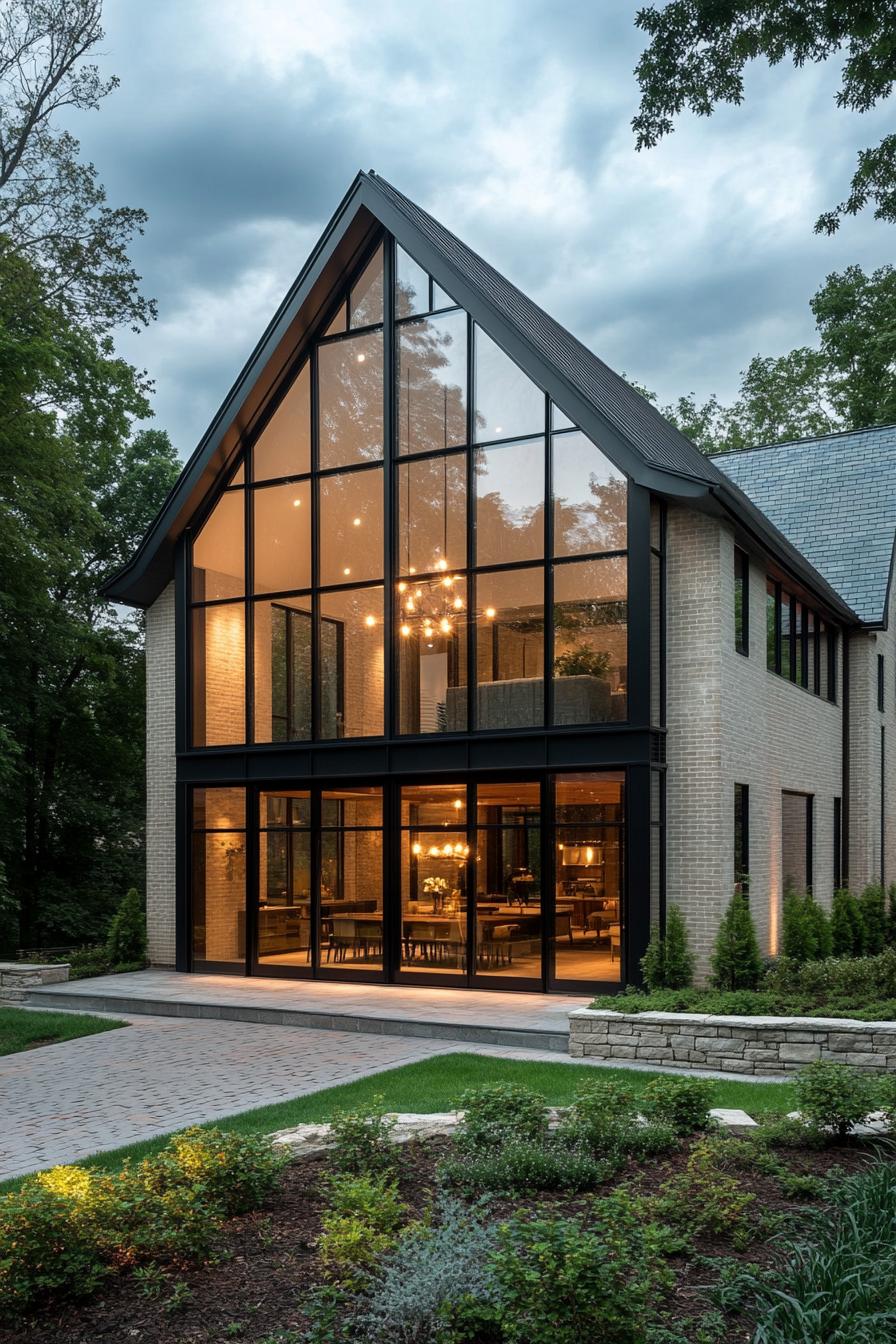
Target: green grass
436, 1085
22, 1029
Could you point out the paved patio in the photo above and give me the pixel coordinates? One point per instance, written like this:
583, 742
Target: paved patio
533, 1021
61, 1103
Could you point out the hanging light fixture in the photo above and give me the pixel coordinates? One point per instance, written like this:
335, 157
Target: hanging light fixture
429, 606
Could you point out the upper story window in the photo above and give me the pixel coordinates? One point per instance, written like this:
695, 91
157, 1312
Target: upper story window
504, 565
741, 602
800, 644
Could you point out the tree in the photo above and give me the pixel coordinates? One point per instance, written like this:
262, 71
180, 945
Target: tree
855, 315
698, 53
53, 208
126, 941
847, 925
80, 485
668, 962
736, 963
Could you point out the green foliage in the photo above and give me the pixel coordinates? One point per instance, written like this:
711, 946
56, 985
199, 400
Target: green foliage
64, 1230
500, 1113
834, 1096
890, 929
668, 962
736, 963
682, 1104
520, 1166
847, 925
805, 930
697, 56
872, 905
360, 1140
126, 943
705, 1200
838, 1280
582, 661
436, 1285
565, 1280
360, 1225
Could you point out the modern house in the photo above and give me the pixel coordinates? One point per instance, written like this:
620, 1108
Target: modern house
462, 662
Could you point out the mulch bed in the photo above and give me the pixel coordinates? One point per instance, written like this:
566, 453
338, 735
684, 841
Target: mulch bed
266, 1263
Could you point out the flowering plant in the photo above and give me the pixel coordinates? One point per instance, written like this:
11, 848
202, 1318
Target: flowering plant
433, 885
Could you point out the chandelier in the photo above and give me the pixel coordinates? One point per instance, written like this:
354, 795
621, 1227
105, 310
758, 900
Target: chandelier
458, 850
430, 606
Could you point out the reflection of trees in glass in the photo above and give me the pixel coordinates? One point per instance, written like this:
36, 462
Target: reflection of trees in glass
366, 302
595, 523
432, 520
510, 517
350, 379
432, 356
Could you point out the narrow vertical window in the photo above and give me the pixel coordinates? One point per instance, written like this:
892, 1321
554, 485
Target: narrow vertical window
832, 664
741, 838
773, 626
880, 682
741, 601
838, 844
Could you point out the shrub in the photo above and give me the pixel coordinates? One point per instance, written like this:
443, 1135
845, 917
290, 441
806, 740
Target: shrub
847, 926
795, 933
361, 1223
834, 1096
360, 1140
233, 1172
736, 963
680, 1103
437, 1278
49, 1241
872, 907
520, 1166
668, 962
820, 927
706, 1200
890, 927
565, 1280
500, 1112
126, 942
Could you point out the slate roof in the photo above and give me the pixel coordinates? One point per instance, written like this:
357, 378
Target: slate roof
834, 498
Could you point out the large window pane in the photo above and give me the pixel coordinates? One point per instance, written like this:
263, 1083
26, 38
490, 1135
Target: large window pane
507, 403
432, 514
365, 307
434, 806
351, 655
432, 381
351, 893
509, 502
508, 883
359, 805
590, 498
434, 875
350, 383
284, 880
284, 446
218, 551
411, 285
351, 527
219, 675
282, 670
282, 536
590, 641
432, 656
587, 940
510, 649
218, 887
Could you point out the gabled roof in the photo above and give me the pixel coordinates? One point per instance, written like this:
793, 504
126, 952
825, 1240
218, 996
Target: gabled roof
834, 497
632, 433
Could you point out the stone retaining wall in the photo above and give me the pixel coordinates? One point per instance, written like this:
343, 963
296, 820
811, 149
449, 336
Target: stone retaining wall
764, 1045
18, 977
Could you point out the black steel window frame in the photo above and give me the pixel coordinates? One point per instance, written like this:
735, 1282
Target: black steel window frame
806, 626
838, 845
810, 840
389, 464
632, 855
880, 683
741, 602
742, 838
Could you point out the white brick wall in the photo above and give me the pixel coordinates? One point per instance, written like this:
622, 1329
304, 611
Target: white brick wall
160, 779
732, 721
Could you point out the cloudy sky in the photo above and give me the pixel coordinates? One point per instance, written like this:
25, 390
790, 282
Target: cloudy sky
239, 125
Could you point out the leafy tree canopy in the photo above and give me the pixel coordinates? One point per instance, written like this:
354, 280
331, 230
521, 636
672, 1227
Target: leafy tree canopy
847, 382
699, 49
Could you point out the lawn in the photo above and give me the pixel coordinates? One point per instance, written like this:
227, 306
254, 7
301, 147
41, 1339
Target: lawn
24, 1029
437, 1084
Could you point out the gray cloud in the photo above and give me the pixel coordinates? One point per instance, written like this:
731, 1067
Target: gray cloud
239, 127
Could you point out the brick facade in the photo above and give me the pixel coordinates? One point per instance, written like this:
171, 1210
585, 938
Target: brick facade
160, 779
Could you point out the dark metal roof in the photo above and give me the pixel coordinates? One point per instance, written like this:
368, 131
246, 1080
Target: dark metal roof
834, 498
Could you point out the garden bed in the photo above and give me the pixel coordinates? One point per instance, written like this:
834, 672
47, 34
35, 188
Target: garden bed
680, 1235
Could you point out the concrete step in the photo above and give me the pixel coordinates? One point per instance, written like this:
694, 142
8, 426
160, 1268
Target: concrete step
381, 1024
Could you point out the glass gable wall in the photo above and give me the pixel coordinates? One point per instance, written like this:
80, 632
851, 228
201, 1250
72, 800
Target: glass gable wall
415, 543
485, 545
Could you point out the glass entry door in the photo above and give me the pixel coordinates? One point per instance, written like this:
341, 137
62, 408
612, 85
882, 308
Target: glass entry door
435, 867
509, 915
